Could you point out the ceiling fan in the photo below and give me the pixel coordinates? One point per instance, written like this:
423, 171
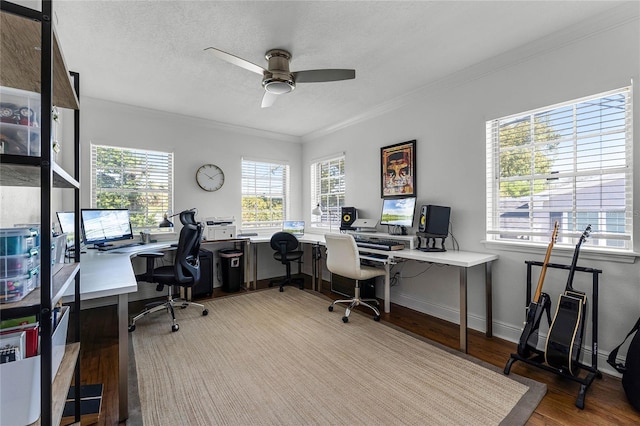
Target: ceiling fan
277, 79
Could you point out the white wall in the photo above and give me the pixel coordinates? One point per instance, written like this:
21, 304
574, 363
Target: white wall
448, 122
194, 142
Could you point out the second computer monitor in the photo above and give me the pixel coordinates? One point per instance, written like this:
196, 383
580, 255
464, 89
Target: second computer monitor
101, 226
398, 212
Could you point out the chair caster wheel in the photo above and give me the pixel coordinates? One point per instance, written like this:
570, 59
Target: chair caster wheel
376, 317
175, 327
281, 289
132, 327
331, 308
205, 312
301, 287
345, 319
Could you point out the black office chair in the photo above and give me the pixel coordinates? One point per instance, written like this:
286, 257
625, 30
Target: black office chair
286, 244
185, 272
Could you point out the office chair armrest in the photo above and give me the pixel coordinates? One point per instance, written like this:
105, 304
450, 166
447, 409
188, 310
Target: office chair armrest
151, 257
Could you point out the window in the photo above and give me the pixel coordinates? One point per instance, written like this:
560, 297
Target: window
134, 179
265, 194
571, 163
327, 190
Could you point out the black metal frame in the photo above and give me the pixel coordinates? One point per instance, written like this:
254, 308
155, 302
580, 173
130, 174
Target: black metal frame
44, 310
537, 360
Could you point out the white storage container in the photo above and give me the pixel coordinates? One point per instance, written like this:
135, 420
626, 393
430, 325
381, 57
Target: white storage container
13, 289
20, 384
19, 122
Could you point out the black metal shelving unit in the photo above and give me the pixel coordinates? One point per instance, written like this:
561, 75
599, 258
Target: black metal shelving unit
25, 67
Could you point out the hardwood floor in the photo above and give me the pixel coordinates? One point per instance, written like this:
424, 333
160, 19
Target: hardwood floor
605, 402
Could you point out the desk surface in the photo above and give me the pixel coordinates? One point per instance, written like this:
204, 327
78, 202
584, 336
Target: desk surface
465, 259
109, 273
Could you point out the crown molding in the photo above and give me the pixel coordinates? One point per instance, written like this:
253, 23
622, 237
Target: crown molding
613, 18
218, 125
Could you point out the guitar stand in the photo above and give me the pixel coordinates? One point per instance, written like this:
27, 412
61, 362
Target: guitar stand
537, 360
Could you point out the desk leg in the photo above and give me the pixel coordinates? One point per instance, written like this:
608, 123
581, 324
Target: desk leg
247, 265
387, 288
123, 356
463, 309
489, 298
255, 266
316, 276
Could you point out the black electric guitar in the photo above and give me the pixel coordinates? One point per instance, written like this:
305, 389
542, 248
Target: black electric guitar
565, 335
541, 303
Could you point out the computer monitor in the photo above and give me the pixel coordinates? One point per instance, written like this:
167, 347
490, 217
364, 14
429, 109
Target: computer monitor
101, 226
398, 212
67, 225
296, 227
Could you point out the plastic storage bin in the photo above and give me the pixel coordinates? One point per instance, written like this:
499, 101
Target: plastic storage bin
20, 384
232, 269
18, 264
19, 122
16, 288
17, 240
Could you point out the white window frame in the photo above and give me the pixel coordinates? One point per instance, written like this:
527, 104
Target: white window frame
589, 180
154, 193
269, 180
328, 190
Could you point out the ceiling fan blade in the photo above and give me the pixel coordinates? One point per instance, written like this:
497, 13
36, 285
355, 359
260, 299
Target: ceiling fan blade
236, 61
268, 99
318, 76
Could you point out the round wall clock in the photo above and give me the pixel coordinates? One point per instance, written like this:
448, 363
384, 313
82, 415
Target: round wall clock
210, 177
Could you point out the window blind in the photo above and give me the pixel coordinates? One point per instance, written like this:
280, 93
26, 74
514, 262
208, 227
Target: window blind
134, 179
265, 194
571, 163
328, 190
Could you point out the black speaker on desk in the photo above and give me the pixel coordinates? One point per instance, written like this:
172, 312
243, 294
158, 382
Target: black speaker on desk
437, 219
434, 225
422, 224
348, 216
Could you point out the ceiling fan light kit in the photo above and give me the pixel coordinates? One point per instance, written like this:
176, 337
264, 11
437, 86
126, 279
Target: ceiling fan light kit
278, 79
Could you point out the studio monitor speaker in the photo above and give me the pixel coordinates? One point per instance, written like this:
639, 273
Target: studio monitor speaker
349, 215
437, 220
422, 225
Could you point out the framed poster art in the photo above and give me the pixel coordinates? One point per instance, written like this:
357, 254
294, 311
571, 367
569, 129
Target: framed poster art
398, 169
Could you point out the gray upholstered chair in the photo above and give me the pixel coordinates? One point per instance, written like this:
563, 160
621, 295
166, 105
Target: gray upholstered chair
343, 259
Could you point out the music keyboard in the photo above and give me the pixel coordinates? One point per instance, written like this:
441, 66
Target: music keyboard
380, 244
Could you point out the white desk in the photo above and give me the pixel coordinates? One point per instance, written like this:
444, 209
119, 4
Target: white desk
463, 260
104, 274
110, 273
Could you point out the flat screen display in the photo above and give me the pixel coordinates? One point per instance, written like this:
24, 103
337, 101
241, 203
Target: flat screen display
296, 227
100, 226
398, 211
67, 225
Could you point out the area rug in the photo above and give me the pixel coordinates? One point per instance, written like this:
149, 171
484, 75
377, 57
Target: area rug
272, 358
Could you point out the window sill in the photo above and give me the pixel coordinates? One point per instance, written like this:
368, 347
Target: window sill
590, 253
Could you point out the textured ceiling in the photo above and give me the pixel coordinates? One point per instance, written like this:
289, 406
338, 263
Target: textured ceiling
150, 53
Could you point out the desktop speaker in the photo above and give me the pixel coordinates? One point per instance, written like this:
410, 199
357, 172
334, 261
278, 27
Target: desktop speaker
349, 215
437, 220
422, 225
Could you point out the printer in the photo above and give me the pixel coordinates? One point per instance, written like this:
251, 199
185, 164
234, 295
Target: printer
219, 228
